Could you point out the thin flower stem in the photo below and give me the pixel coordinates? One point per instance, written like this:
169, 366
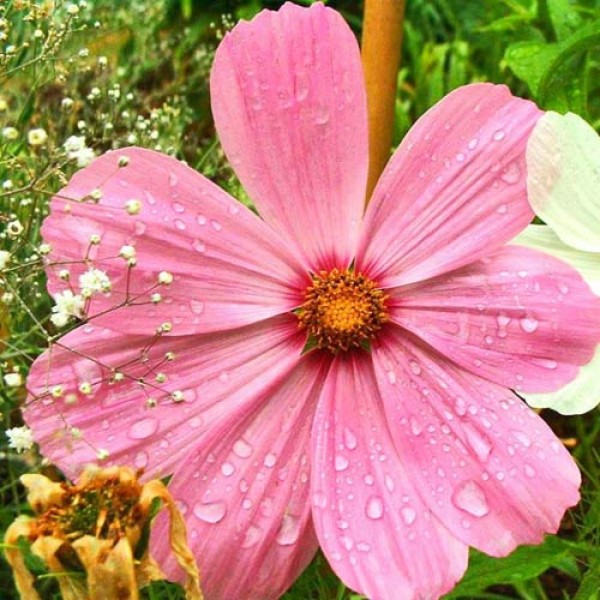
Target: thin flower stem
381, 46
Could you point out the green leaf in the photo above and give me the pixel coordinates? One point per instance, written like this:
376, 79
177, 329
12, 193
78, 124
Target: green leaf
525, 563
562, 17
541, 65
590, 586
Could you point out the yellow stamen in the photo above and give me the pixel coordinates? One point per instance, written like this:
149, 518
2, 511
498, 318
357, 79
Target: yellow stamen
342, 310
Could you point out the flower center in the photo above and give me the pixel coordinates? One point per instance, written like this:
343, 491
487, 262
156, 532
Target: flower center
342, 310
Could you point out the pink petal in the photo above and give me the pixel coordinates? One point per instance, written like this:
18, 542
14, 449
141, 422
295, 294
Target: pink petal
454, 190
518, 317
217, 375
289, 105
374, 527
486, 465
245, 493
229, 267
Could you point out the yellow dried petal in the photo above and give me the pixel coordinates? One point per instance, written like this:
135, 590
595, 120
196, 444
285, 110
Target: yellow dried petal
110, 573
72, 587
21, 527
42, 493
177, 536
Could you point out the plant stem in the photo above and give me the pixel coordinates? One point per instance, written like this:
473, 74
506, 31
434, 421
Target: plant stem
381, 46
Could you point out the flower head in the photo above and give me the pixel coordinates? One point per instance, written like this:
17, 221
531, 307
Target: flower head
96, 525
334, 377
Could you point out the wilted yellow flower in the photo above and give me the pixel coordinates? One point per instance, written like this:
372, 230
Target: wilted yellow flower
96, 526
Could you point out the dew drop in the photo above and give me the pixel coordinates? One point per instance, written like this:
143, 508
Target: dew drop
199, 246
140, 228
143, 428
242, 448
179, 224
415, 367
211, 512
173, 179
374, 508
197, 307
511, 173
469, 497
529, 324
341, 463
289, 532
529, 470
498, 135
252, 536
216, 225
389, 483
227, 469
363, 547
270, 460
141, 460
201, 220
473, 143
178, 207
408, 515
350, 440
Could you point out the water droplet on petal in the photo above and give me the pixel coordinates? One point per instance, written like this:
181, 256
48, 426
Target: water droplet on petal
408, 515
211, 512
529, 324
253, 535
289, 532
341, 463
350, 440
178, 207
374, 508
143, 428
197, 307
529, 470
141, 460
469, 496
199, 246
270, 460
499, 135
242, 448
227, 469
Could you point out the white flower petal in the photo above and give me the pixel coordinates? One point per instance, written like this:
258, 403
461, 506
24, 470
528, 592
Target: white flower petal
563, 181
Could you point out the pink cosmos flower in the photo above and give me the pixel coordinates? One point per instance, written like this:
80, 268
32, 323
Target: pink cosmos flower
392, 438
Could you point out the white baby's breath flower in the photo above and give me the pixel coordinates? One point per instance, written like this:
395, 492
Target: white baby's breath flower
74, 143
37, 137
10, 133
4, 259
13, 380
19, 438
68, 305
95, 280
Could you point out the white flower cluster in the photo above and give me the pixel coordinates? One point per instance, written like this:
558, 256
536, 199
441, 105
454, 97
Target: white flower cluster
68, 305
77, 150
94, 280
19, 438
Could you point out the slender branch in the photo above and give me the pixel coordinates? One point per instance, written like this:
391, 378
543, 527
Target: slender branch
381, 48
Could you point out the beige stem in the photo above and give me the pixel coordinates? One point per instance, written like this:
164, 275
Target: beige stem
381, 46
